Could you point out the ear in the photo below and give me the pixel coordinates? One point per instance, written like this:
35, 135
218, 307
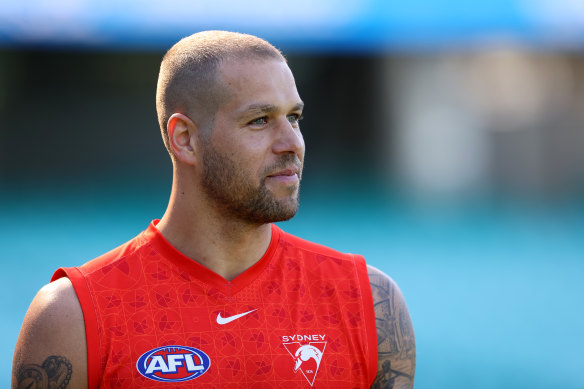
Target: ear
181, 135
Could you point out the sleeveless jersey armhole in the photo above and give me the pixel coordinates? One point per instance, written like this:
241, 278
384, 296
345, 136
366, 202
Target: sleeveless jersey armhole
90, 321
371, 327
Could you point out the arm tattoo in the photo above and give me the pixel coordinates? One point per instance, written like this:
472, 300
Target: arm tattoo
395, 336
54, 373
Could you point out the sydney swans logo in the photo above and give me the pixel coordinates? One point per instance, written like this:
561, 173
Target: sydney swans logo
306, 357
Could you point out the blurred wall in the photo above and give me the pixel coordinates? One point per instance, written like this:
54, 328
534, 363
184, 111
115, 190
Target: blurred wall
69, 116
503, 121
496, 122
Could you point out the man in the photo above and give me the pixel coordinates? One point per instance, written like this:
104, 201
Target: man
214, 294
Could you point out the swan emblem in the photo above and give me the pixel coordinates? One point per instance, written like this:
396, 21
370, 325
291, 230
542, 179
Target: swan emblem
304, 353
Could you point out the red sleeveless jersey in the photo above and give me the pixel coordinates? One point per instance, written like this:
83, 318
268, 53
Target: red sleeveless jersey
302, 316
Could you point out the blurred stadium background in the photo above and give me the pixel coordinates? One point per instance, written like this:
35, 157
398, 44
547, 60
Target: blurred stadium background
445, 142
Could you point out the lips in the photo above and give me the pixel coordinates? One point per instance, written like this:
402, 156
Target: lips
287, 176
285, 172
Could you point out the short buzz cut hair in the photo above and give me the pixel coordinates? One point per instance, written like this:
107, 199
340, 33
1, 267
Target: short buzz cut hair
187, 82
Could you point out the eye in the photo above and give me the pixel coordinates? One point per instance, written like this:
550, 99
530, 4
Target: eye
295, 118
259, 121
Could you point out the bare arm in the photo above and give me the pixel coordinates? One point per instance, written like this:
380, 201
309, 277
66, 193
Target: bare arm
51, 351
395, 334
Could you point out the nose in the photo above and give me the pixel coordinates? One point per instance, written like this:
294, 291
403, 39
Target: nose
289, 139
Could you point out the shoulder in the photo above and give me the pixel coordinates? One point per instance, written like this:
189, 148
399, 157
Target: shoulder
391, 312
54, 308
120, 257
51, 345
289, 240
395, 334
382, 286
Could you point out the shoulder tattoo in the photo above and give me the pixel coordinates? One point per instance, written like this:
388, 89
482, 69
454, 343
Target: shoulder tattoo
395, 335
54, 373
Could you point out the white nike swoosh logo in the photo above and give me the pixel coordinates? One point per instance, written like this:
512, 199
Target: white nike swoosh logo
225, 320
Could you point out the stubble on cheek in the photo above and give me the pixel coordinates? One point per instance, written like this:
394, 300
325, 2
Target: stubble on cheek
233, 191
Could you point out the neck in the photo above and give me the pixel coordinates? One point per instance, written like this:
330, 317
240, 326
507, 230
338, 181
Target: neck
226, 246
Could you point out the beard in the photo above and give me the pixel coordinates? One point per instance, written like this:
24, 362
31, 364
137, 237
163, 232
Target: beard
232, 189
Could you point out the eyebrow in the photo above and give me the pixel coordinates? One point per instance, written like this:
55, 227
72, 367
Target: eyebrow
298, 107
269, 108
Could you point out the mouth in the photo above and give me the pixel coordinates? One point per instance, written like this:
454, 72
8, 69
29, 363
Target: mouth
288, 176
285, 172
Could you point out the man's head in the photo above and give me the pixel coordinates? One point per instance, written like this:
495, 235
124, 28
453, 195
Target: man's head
187, 82
229, 111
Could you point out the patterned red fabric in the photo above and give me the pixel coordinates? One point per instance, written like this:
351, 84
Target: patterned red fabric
308, 316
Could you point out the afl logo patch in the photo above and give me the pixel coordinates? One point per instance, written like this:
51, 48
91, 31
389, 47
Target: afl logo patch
173, 363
